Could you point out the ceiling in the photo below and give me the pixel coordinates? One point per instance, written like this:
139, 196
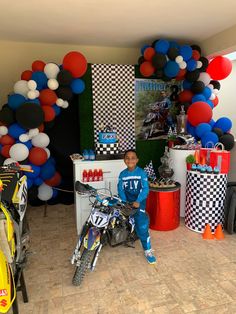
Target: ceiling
123, 23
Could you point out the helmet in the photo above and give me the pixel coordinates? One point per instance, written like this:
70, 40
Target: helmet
7, 285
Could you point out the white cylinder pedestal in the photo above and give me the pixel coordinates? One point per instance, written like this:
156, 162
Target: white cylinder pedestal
178, 164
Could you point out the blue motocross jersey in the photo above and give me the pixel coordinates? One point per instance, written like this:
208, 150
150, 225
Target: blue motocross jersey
133, 186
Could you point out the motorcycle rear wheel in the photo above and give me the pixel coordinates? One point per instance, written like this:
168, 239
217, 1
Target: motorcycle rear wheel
80, 270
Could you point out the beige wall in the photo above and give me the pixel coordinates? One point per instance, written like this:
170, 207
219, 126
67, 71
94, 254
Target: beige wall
15, 57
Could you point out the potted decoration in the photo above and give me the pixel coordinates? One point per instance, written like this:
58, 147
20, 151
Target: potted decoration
190, 159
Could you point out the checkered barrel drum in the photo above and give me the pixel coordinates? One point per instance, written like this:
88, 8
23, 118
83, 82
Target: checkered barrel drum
205, 195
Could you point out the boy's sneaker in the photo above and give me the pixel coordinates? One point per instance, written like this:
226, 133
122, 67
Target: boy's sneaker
150, 257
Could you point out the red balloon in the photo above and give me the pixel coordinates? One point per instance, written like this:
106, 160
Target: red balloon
41, 127
55, 180
5, 150
149, 53
37, 156
76, 63
215, 101
199, 112
47, 97
219, 68
38, 65
26, 75
196, 55
181, 74
49, 113
185, 96
146, 69
7, 140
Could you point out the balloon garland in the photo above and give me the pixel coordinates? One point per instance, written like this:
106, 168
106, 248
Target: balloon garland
166, 60
37, 99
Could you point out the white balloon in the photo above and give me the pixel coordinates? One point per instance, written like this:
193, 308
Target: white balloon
41, 140
9, 161
199, 64
53, 84
211, 86
36, 93
183, 65
48, 152
32, 85
51, 70
19, 152
205, 78
213, 96
24, 138
3, 130
65, 104
216, 91
45, 192
21, 87
179, 59
33, 132
60, 102
31, 94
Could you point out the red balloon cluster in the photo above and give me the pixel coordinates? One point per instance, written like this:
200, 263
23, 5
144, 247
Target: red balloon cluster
47, 97
199, 112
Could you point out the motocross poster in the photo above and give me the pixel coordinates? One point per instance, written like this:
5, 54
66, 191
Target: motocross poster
155, 107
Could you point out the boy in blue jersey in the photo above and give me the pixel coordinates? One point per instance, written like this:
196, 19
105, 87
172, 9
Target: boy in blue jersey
133, 187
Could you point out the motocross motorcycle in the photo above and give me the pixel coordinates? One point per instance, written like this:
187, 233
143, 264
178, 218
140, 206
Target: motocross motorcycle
110, 222
14, 231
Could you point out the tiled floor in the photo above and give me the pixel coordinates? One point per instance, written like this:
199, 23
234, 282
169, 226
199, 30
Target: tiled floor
192, 275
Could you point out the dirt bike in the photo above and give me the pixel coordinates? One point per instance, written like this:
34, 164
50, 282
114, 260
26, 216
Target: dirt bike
14, 233
110, 222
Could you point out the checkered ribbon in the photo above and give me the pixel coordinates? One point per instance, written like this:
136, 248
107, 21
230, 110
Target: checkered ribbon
150, 171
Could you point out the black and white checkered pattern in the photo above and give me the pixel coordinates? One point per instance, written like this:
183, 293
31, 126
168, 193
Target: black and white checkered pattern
113, 101
205, 195
150, 171
107, 149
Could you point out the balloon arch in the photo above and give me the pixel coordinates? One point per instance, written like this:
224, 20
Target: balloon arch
166, 60
46, 89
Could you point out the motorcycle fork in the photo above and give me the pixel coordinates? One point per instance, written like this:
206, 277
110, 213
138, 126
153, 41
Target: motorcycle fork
76, 254
95, 257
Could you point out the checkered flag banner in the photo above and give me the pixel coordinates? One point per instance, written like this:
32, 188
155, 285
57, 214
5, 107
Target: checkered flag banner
150, 171
205, 195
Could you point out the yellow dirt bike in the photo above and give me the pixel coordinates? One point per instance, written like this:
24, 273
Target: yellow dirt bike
14, 234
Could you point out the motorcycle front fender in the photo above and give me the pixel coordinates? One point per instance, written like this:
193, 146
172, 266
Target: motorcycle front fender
92, 239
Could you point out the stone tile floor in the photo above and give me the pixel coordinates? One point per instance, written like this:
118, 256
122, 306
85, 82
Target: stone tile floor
192, 275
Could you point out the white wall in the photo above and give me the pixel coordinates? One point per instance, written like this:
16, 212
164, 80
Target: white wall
227, 99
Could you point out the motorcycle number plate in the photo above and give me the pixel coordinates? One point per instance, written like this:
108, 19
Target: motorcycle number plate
99, 220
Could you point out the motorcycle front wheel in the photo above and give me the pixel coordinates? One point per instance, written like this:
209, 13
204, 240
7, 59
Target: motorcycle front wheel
80, 270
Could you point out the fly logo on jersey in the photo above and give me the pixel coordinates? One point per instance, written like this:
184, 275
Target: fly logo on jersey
131, 183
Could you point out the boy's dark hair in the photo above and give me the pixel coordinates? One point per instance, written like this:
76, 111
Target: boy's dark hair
130, 151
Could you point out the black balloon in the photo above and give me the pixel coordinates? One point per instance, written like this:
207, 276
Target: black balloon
7, 115
197, 87
64, 78
196, 47
64, 92
216, 84
159, 73
192, 76
49, 125
218, 131
159, 60
154, 43
227, 140
205, 63
172, 53
141, 59
29, 116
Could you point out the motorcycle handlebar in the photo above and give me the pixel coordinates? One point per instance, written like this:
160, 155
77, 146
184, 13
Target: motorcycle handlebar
16, 167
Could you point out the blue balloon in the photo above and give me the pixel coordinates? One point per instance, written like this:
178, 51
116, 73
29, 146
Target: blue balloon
15, 101
77, 86
56, 109
35, 174
27, 144
198, 97
1, 147
162, 46
38, 181
15, 130
41, 79
224, 123
212, 123
207, 92
144, 48
186, 52
47, 171
173, 44
55, 193
191, 65
51, 160
202, 128
210, 103
191, 130
209, 137
187, 84
33, 101
171, 69
29, 183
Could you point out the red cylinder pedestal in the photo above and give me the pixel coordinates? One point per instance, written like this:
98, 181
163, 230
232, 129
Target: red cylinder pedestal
163, 207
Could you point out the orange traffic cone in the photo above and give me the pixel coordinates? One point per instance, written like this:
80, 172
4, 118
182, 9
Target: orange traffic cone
197, 157
219, 235
207, 235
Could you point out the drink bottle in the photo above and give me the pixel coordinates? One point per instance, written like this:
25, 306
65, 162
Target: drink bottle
85, 176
